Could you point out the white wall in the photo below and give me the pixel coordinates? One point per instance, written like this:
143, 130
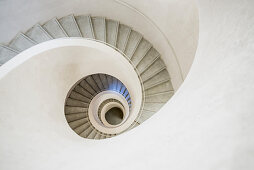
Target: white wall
208, 124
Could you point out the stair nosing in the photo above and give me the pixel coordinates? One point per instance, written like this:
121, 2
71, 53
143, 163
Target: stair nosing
76, 24
158, 83
127, 39
43, 30
9, 48
155, 73
136, 46
150, 64
145, 53
60, 26
91, 26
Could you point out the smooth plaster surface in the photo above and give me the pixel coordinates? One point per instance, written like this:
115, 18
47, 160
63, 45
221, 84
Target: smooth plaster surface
208, 124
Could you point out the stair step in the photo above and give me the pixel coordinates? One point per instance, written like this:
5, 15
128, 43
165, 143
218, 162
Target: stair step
78, 96
83, 92
21, 42
104, 81
75, 116
147, 60
78, 123
85, 26
82, 127
70, 26
110, 82
103, 136
132, 44
162, 75
123, 89
141, 51
159, 97
38, 34
99, 27
98, 81
97, 136
161, 87
93, 84
156, 66
92, 134
126, 93
154, 107
54, 29
112, 31
87, 87
72, 110
115, 81
119, 85
145, 115
86, 132
77, 103
6, 53
122, 37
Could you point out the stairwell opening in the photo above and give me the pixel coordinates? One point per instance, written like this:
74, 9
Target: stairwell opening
114, 116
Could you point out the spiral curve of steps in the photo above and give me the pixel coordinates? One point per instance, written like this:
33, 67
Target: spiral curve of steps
145, 59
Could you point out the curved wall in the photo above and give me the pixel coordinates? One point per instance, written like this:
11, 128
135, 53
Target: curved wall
171, 26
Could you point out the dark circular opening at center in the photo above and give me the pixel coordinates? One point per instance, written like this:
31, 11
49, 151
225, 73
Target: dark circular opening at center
114, 116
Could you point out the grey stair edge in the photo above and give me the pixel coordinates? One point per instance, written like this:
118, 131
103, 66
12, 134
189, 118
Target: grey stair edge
150, 64
160, 93
136, 46
44, 31
91, 26
158, 83
24, 36
127, 39
154, 74
148, 49
60, 26
78, 119
76, 24
9, 48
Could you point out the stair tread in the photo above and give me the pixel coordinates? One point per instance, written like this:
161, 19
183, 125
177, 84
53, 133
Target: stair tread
77, 123
151, 55
6, 53
132, 44
38, 34
70, 26
21, 42
161, 87
99, 27
142, 49
112, 31
76, 116
85, 26
153, 69
154, 107
86, 132
54, 29
72, 109
76, 103
159, 97
78, 96
122, 37
82, 127
160, 76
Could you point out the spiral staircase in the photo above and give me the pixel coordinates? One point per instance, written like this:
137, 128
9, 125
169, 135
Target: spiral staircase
145, 59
